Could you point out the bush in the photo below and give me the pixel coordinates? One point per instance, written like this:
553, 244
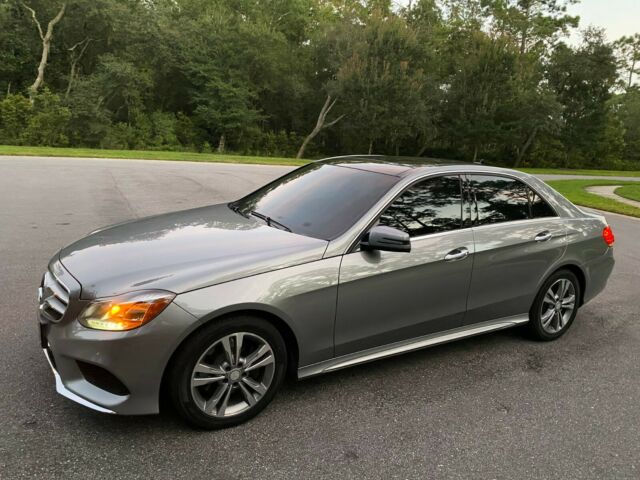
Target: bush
15, 112
47, 125
42, 122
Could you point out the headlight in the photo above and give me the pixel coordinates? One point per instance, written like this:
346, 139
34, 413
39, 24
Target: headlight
125, 312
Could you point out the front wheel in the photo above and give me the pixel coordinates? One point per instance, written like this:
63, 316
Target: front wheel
227, 372
555, 306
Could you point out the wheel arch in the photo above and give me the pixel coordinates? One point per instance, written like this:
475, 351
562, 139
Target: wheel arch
577, 271
277, 321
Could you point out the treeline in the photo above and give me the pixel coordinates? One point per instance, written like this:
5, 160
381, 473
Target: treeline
469, 79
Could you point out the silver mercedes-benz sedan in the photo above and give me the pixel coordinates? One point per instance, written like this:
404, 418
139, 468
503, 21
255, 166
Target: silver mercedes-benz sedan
340, 262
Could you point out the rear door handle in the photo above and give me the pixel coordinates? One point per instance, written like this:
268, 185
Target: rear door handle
543, 236
457, 254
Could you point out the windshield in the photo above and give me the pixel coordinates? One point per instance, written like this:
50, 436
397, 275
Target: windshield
318, 200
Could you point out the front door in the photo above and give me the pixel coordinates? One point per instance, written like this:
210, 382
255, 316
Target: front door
385, 297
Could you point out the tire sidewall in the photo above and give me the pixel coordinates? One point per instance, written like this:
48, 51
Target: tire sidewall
535, 320
180, 377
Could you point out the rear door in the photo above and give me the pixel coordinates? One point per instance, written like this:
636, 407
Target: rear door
518, 237
384, 297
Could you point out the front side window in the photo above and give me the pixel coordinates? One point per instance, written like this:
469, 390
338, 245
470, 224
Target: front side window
431, 206
497, 199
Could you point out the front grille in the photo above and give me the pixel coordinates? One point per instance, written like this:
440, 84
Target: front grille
54, 298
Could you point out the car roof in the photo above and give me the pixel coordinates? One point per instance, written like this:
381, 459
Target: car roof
408, 166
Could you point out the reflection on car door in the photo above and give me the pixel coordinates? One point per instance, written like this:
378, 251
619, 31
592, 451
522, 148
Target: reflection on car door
384, 297
518, 238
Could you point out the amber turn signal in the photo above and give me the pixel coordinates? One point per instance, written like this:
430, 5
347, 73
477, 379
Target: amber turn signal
125, 312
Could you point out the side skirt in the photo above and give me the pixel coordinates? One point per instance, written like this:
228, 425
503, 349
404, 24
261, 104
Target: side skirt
410, 345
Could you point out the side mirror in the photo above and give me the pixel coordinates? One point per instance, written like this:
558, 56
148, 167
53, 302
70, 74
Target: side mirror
387, 239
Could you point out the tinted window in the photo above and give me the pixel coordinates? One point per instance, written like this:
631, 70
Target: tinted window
432, 206
318, 200
499, 199
539, 207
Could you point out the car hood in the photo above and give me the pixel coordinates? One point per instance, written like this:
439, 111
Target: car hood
183, 251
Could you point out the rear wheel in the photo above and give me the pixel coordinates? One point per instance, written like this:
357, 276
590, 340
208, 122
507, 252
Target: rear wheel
228, 372
555, 306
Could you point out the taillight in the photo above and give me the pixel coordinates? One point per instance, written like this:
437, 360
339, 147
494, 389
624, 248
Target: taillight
607, 235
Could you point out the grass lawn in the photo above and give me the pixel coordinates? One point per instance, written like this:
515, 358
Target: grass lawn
214, 157
575, 191
564, 171
632, 192
145, 155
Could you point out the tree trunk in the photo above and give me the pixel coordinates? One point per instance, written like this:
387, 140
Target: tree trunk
320, 124
221, 143
75, 58
46, 38
370, 147
522, 152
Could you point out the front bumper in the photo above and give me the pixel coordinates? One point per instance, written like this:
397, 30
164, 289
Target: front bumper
136, 358
65, 392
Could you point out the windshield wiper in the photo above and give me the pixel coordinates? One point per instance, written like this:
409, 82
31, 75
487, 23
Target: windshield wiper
271, 222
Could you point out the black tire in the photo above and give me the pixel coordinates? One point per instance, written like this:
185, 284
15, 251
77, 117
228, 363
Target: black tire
180, 372
536, 327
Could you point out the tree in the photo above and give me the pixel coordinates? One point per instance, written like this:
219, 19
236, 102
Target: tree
46, 37
321, 123
583, 79
628, 51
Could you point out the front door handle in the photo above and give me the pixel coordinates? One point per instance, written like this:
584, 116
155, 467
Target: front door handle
457, 254
543, 236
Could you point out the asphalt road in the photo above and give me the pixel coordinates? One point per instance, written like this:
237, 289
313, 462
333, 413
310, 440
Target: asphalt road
496, 406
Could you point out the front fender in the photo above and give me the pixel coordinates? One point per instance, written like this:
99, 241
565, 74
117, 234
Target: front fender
303, 296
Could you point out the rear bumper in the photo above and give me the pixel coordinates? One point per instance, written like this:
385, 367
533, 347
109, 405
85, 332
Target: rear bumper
598, 272
137, 359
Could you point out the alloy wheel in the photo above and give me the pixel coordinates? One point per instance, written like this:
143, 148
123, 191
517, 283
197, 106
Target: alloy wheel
557, 306
233, 374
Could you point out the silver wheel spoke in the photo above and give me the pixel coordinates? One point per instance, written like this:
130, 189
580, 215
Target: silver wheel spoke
547, 317
265, 361
549, 298
239, 337
255, 355
203, 368
569, 301
210, 405
258, 387
226, 344
225, 402
251, 400
200, 381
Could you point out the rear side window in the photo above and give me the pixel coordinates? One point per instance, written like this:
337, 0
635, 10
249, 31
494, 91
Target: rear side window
497, 199
540, 208
431, 206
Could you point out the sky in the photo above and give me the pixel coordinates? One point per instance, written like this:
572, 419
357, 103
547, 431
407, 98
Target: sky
617, 17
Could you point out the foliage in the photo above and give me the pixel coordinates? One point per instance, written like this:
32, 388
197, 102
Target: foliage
465, 79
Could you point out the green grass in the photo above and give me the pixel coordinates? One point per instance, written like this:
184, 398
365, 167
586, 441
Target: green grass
229, 158
632, 192
567, 171
145, 155
575, 191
